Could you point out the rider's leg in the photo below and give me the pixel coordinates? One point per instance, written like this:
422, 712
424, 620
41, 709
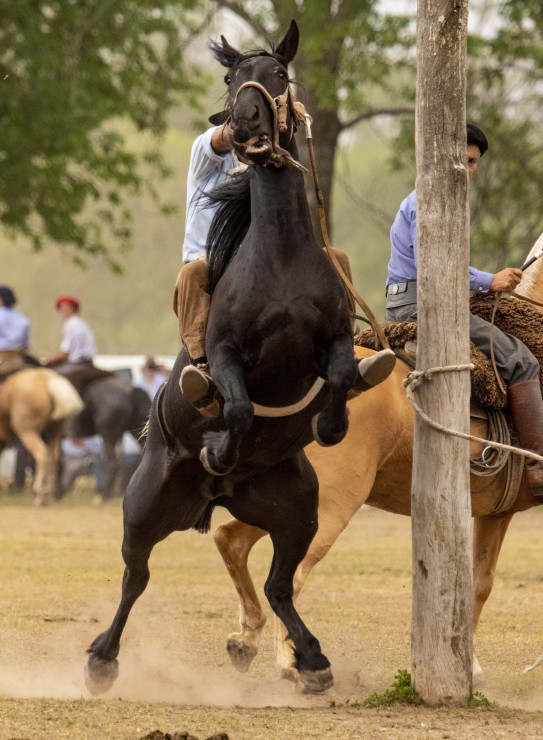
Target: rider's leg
191, 306
520, 370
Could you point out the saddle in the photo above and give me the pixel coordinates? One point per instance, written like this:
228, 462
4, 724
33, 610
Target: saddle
84, 374
10, 362
513, 316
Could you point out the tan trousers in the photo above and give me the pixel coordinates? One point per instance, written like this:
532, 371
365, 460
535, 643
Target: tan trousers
191, 302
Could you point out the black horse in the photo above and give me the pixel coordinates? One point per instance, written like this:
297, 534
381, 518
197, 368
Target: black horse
279, 329
112, 407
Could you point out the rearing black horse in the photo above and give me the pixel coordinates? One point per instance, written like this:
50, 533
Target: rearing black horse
280, 348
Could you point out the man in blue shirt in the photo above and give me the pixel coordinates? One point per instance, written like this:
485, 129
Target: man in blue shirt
514, 361
14, 333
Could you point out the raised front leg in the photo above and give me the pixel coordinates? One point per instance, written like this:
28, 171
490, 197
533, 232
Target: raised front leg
488, 535
331, 425
220, 454
234, 541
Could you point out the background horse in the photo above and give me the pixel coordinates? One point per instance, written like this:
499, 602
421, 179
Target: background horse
112, 406
373, 466
34, 404
279, 324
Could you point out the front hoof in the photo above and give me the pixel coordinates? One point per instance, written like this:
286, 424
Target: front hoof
315, 682
100, 675
241, 654
330, 439
204, 459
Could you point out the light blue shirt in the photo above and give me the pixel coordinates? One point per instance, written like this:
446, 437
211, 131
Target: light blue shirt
207, 170
403, 254
14, 329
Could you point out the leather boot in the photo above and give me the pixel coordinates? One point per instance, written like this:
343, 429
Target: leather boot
199, 390
372, 371
526, 407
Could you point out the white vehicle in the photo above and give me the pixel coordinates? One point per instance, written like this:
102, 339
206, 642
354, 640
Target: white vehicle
130, 366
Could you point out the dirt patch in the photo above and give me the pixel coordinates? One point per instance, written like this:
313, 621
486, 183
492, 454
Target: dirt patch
61, 571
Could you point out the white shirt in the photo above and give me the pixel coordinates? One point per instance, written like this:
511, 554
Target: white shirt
207, 170
77, 340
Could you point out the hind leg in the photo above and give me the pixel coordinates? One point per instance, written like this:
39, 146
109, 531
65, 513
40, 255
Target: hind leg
331, 425
151, 511
284, 502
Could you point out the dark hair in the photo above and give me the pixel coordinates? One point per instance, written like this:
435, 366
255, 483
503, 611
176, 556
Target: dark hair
476, 138
7, 296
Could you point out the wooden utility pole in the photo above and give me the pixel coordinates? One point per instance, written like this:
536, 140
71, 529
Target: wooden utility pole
441, 508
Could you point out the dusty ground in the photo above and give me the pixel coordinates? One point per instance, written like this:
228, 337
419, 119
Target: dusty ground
61, 571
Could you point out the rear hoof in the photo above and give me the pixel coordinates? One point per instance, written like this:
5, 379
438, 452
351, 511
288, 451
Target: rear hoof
315, 682
204, 459
241, 654
100, 675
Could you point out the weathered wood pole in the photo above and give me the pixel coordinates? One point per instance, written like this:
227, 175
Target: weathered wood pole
442, 647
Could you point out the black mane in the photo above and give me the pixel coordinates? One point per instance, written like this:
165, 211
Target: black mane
230, 224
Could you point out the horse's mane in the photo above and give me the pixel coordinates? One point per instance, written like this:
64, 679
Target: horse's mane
230, 224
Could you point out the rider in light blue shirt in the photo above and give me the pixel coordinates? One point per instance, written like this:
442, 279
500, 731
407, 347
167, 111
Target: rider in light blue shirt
14, 334
514, 361
14, 325
208, 169
403, 257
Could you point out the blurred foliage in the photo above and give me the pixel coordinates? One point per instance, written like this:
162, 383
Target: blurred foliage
69, 72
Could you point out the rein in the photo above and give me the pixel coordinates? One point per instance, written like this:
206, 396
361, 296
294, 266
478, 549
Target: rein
377, 330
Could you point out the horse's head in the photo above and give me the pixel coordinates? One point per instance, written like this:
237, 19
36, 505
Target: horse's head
259, 106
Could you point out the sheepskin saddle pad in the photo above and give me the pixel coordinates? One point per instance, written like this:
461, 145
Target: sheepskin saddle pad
513, 316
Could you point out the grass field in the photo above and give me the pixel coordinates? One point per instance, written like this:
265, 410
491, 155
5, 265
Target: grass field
61, 571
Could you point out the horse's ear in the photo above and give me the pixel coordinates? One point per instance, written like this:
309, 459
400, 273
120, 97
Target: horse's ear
217, 119
289, 45
224, 53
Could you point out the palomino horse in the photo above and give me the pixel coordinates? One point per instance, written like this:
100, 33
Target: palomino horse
34, 404
373, 466
279, 325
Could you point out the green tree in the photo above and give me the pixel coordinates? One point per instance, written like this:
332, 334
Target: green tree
72, 74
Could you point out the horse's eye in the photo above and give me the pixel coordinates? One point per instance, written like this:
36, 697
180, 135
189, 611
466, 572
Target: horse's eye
227, 79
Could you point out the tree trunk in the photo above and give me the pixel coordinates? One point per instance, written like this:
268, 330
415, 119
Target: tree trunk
441, 515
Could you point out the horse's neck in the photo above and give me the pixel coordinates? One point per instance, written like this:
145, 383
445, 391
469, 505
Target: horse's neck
531, 285
279, 209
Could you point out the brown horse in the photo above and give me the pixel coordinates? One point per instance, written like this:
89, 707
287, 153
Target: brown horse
372, 465
34, 403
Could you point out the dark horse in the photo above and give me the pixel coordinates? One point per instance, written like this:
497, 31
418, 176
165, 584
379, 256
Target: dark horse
112, 406
279, 327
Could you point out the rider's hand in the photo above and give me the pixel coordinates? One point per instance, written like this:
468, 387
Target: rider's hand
506, 280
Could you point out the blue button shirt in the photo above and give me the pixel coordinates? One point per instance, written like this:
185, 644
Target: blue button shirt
14, 329
403, 254
207, 170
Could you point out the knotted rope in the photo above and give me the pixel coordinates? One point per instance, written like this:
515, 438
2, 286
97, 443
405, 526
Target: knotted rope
415, 379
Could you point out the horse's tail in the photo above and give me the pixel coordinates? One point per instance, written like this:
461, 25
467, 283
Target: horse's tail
66, 400
230, 224
204, 522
